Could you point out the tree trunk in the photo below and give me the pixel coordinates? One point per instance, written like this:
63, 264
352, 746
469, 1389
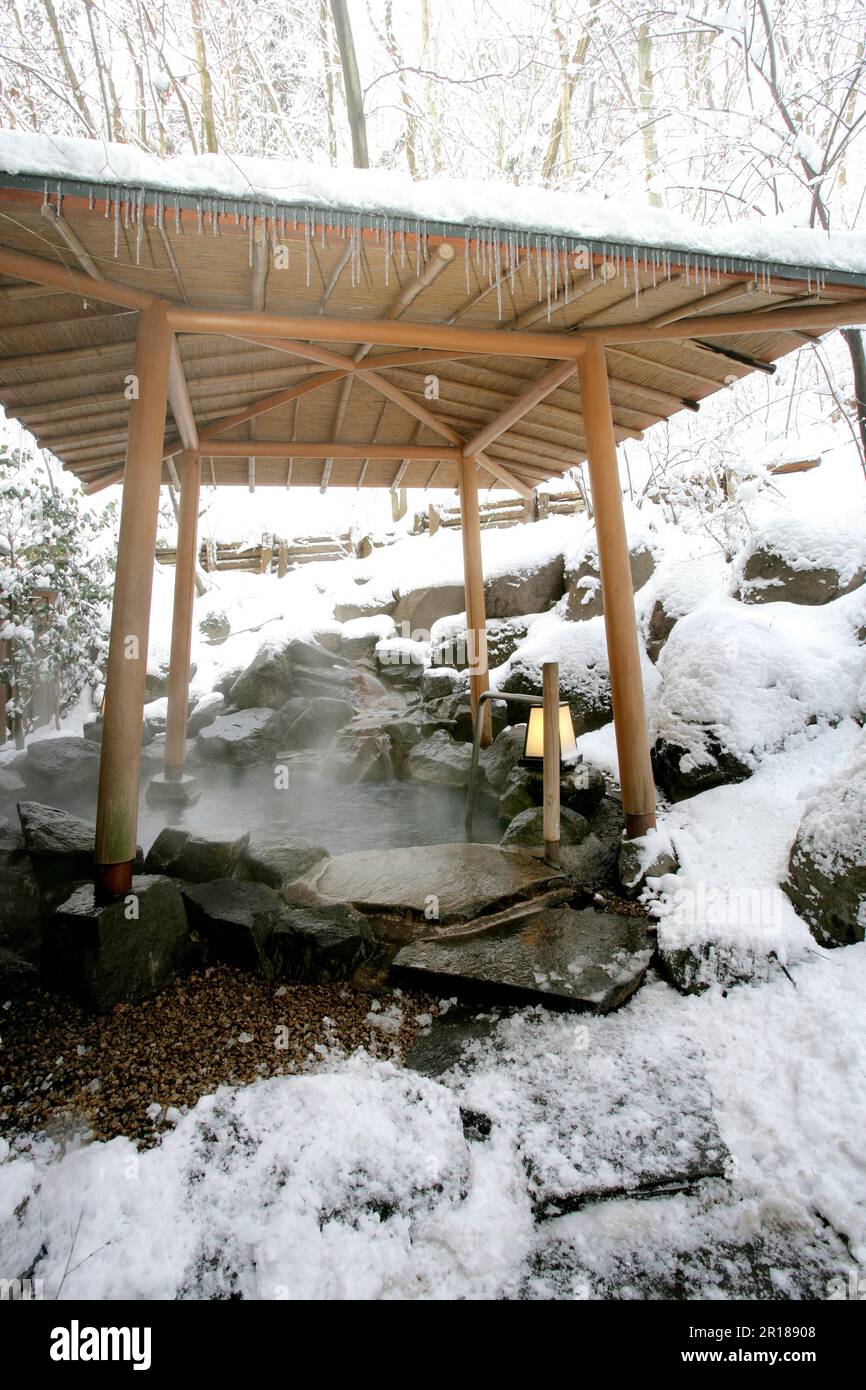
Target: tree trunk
351, 84
854, 341
207, 116
645, 95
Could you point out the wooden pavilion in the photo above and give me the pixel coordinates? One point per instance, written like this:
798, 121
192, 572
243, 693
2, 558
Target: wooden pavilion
151, 332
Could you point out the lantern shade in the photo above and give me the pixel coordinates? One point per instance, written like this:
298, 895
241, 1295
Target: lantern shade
533, 744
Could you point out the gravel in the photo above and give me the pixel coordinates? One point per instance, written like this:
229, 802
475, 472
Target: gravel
66, 1072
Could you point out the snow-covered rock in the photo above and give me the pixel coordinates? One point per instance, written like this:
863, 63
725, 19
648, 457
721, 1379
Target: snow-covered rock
826, 879
802, 560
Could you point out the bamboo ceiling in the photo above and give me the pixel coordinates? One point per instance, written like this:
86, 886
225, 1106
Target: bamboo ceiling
64, 358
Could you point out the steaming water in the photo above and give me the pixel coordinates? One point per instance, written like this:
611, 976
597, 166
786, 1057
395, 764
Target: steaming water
341, 818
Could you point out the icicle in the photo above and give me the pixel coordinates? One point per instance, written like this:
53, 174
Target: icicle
466, 236
177, 214
499, 296
139, 224
251, 223
547, 274
555, 260
107, 212
198, 215
308, 247
402, 243
116, 223
389, 248
538, 267
59, 197
636, 276
90, 200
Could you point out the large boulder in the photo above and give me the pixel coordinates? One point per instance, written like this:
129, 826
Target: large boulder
60, 845
369, 598
359, 637
401, 661
67, 761
826, 878
584, 580
236, 921
450, 645
530, 589
318, 945
116, 953
359, 755
246, 737
454, 714
419, 608
277, 862
20, 928
809, 562
500, 759
316, 723
195, 858
17, 975
439, 681
157, 679
527, 828
204, 712
440, 761
581, 788
681, 773
645, 857
267, 681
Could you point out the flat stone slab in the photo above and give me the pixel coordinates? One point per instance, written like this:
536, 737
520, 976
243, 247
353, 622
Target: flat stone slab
436, 885
593, 961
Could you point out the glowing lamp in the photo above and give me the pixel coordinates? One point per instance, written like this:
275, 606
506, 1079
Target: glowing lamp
533, 743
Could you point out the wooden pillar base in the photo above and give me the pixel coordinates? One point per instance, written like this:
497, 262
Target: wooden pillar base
551, 853
113, 881
635, 826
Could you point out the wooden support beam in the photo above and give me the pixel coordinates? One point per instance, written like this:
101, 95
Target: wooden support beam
259, 278
120, 761
626, 684
334, 278
178, 399
172, 260
403, 333
335, 449
73, 241
473, 584
550, 762
53, 273
708, 301
189, 471
519, 407
822, 317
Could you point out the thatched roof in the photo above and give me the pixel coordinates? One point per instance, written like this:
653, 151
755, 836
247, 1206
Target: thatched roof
64, 358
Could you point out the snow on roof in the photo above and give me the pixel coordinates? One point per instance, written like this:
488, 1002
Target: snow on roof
461, 203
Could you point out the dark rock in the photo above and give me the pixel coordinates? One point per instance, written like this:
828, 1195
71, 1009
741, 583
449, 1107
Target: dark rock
520, 793
830, 893
661, 625
267, 682
68, 762
172, 791
502, 757
399, 663
194, 858
278, 862
590, 864
205, 712
504, 635
767, 577
311, 655
362, 756
317, 723
440, 761
443, 1046
20, 926
120, 952
679, 775
590, 707
10, 782
247, 737
527, 828
648, 856
593, 961
60, 845
584, 583
336, 682
525, 591
404, 733
227, 679
17, 975
437, 682
581, 789
698, 965
453, 713
236, 920
318, 945
156, 681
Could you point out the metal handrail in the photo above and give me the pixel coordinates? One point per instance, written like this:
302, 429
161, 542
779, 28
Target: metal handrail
507, 699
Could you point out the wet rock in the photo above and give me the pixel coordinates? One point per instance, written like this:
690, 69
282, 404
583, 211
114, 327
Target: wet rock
120, 952
17, 975
360, 635
10, 783
444, 1044
680, 775
454, 714
316, 725
242, 739
318, 945
195, 858
205, 711
236, 921
591, 863
520, 793
267, 682
768, 577
440, 761
310, 655
359, 756
438, 682
581, 789
433, 885
695, 966
60, 845
527, 828
277, 862
501, 758
67, 761
333, 682
584, 582
20, 928
646, 856
531, 590
564, 959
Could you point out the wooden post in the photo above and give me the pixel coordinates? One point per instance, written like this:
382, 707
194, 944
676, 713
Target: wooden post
189, 469
550, 692
120, 764
626, 684
473, 583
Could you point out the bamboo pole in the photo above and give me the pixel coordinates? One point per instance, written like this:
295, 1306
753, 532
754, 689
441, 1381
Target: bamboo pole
629, 715
120, 763
189, 469
551, 751
473, 583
